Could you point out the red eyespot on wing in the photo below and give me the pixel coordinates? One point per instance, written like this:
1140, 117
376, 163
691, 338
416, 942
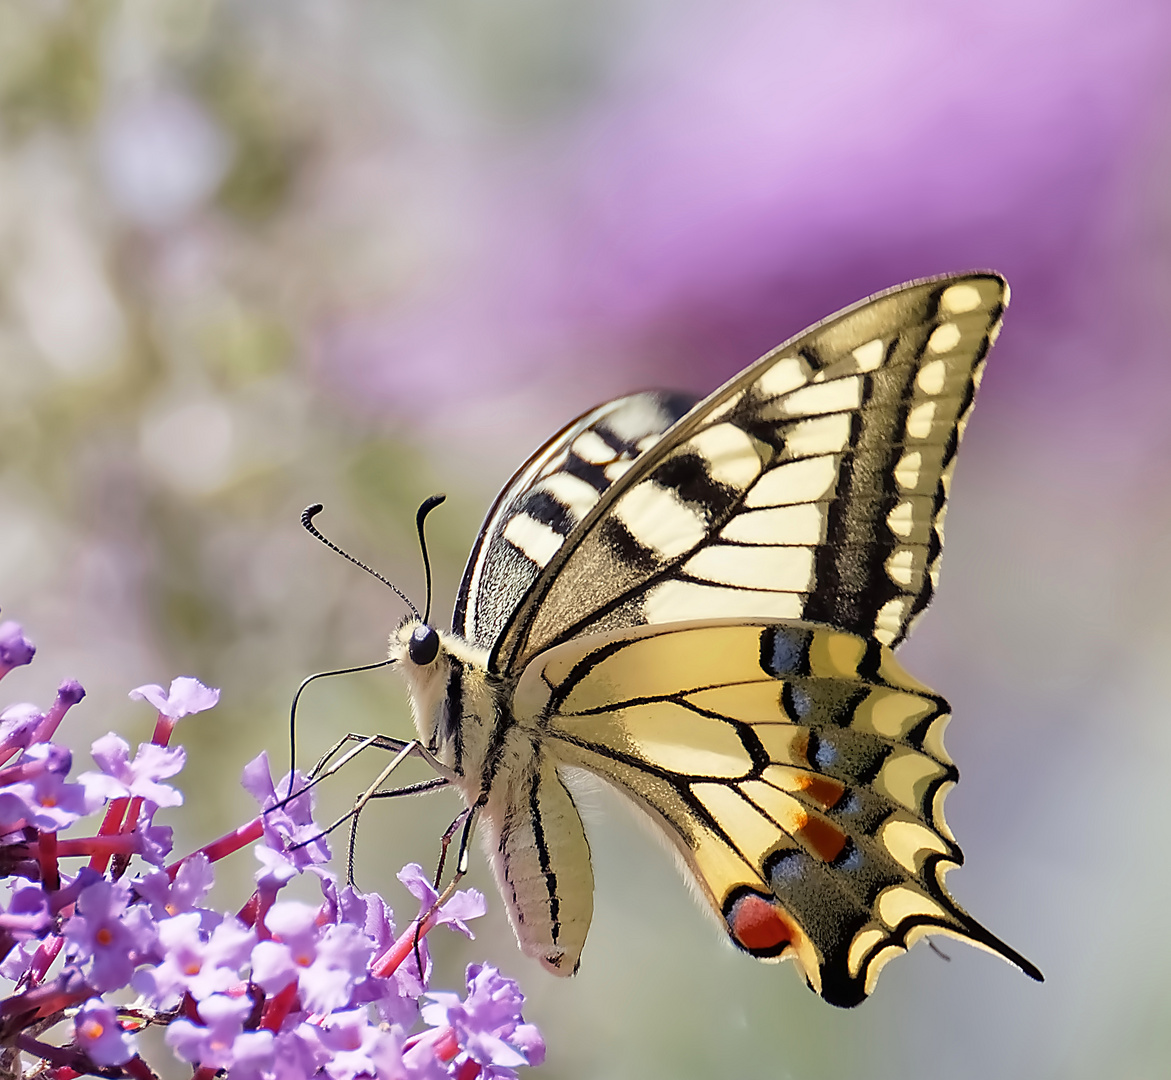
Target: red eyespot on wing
758, 926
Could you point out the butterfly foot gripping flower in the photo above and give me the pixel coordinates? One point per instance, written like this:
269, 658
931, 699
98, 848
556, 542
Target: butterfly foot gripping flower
101, 936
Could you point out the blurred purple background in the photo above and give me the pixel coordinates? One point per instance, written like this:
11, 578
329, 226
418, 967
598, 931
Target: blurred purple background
258, 255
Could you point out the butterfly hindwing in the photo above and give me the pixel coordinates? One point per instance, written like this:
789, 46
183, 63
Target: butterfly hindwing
812, 486
798, 770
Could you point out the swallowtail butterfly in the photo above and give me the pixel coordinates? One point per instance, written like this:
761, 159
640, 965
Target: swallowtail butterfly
699, 603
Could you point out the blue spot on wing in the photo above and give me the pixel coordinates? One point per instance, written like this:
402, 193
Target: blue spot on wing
784, 651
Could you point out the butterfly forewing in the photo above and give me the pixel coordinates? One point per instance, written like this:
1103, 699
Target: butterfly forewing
812, 486
798, 770
548, 497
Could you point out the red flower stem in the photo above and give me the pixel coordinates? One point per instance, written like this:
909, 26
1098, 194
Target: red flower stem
247, 914
47, 856
45, 1000
131, 818
403, 947
278, 1007
224, 846
139, 1069
63, 1060
47, 728
267, 898
446, 1046
105, 846
163, 728
43, 958
111, 825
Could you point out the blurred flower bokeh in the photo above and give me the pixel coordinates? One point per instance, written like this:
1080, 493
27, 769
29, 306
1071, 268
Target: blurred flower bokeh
257, 255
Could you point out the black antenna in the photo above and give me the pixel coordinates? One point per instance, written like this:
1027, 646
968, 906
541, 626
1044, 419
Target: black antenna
297, 698
307, 516
427, 506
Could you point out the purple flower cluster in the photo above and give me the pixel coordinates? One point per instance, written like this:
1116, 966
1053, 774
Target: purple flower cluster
279, 990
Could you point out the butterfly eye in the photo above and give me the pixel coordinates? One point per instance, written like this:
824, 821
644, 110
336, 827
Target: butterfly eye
424, 645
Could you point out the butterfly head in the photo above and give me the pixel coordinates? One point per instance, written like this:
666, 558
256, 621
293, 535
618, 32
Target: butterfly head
445, 675
423, 645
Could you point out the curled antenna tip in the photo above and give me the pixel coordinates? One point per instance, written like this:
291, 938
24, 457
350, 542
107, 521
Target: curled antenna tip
307, 516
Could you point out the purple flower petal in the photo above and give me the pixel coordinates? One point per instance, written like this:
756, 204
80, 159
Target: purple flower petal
488, 1023
291, 828
194, 962
343, 954
100, 1034
70, 692
140, 777
28, 914
46, 801
356, 1048
166, 897
186, 696
212, 1043
299, 1052
105, 932
462, 905
273, 966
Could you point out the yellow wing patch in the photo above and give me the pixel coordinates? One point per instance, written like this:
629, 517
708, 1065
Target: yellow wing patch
791, 767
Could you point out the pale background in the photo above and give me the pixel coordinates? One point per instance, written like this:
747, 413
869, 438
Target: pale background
258, 254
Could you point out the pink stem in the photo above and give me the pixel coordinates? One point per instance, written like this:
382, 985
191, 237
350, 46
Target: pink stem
224, 846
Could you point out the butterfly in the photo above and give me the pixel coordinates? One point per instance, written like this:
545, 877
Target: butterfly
698, 602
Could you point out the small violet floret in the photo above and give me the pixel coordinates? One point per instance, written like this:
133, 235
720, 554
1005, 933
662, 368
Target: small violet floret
186, 697
289, 828
100, 1034
282, 990
15, 649
216, 1042
140, 777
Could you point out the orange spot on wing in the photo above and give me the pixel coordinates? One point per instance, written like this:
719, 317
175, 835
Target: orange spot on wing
822, 789
757, 925
825, 839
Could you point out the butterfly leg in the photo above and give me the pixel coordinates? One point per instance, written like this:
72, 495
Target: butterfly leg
382, 742
407, 749
468, 818
445, 842
418, 788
